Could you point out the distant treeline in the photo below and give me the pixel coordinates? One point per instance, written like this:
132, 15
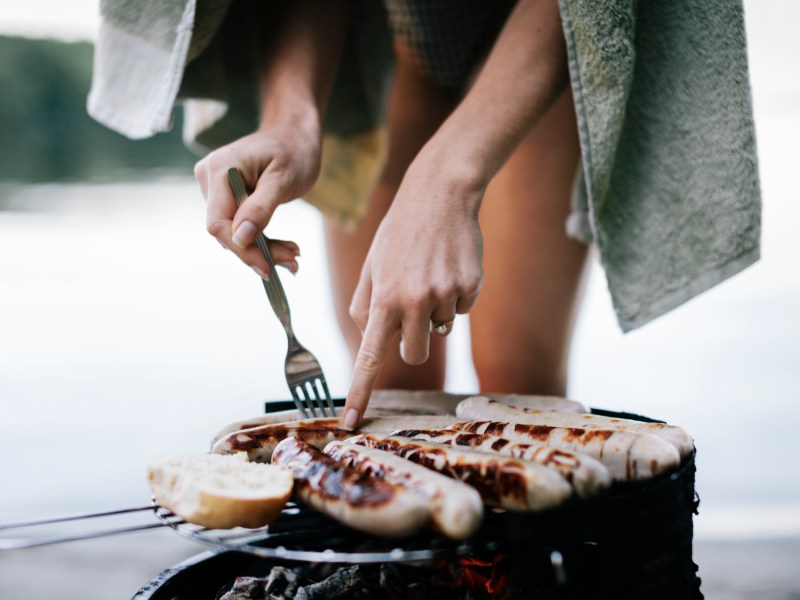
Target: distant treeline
45, 133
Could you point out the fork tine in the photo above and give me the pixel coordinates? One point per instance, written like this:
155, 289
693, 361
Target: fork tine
316, 394
308, 393
298, 402
321, 388
327, 395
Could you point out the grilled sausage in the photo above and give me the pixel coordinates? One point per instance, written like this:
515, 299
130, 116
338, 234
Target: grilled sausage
355, 498
456, 508
538, 402
273, 418
628, 456
501, 481
587, 475
480, 408
285, 416
400, 403
259, 442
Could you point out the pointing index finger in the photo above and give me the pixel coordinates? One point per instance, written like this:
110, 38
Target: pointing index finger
379, 332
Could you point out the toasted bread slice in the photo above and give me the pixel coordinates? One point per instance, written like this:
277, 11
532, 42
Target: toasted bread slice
220, 492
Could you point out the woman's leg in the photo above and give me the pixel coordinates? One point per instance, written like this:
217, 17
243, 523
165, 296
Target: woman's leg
416, 109
522, 323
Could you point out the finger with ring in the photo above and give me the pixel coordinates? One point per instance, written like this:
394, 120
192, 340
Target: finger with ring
442, 327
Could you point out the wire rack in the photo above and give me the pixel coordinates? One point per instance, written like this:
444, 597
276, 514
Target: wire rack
299, 534
303, 534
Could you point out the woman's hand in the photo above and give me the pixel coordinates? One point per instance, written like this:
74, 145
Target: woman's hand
300, 50
424, 266
279, 162
425, 260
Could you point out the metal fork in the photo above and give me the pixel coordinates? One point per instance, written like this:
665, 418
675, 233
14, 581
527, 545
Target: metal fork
303, 372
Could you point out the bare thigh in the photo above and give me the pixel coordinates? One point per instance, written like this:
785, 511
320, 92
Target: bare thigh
416, 109
523, 321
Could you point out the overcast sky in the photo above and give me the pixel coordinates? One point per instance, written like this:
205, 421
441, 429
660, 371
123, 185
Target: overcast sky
66, 19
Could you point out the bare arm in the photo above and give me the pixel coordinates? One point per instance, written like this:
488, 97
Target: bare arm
301, 48
523, 75
425, 261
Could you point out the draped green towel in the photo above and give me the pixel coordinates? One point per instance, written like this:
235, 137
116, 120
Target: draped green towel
668, 188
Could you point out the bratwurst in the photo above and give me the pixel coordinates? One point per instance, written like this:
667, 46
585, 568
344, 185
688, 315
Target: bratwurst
628, 456
456, 508
259, 441
503, 481
356, 498
587, 475
480, 408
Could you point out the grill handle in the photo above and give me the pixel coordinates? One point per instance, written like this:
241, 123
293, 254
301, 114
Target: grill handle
18, 543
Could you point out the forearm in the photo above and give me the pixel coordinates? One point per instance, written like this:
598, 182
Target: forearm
300, 53
524, 73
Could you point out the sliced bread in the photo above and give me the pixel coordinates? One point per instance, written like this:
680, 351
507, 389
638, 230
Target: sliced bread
220, 492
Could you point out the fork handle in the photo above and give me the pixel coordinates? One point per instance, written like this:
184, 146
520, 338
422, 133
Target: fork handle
273, 287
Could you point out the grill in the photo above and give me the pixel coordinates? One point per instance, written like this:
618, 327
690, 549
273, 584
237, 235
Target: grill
633, 542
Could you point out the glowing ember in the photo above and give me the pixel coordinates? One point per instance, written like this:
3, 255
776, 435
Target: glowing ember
488, 578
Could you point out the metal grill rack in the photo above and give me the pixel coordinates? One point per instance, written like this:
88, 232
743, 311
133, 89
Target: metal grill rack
303, 534
299, 534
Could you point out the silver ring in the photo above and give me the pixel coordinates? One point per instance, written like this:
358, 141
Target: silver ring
443, 327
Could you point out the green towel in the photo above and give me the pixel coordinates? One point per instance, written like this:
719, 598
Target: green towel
670, 177
668, 188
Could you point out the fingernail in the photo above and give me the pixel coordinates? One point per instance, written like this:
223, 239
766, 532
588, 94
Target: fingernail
245, 234
350, 419
261, 273
294, 267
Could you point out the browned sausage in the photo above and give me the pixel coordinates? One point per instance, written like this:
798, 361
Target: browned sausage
355, 498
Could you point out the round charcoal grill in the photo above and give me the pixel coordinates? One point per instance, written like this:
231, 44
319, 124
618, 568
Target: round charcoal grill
634, 541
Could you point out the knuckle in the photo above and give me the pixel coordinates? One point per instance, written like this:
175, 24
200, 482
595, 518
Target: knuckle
200, 169
414, 357
292, 180
470, 285
216, 160
215, 227
382, 303
368, 361
417, 300
443, 294
358, 315
258, 211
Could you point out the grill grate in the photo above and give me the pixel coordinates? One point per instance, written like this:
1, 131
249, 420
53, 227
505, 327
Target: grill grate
303, 534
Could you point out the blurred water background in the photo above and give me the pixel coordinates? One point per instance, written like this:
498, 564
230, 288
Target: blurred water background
125, 331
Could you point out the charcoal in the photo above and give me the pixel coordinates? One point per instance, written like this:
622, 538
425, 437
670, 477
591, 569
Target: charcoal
343, 582
391, 581
281, 583
246, 588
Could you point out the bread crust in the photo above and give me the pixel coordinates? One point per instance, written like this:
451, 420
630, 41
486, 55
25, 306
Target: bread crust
190, 487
